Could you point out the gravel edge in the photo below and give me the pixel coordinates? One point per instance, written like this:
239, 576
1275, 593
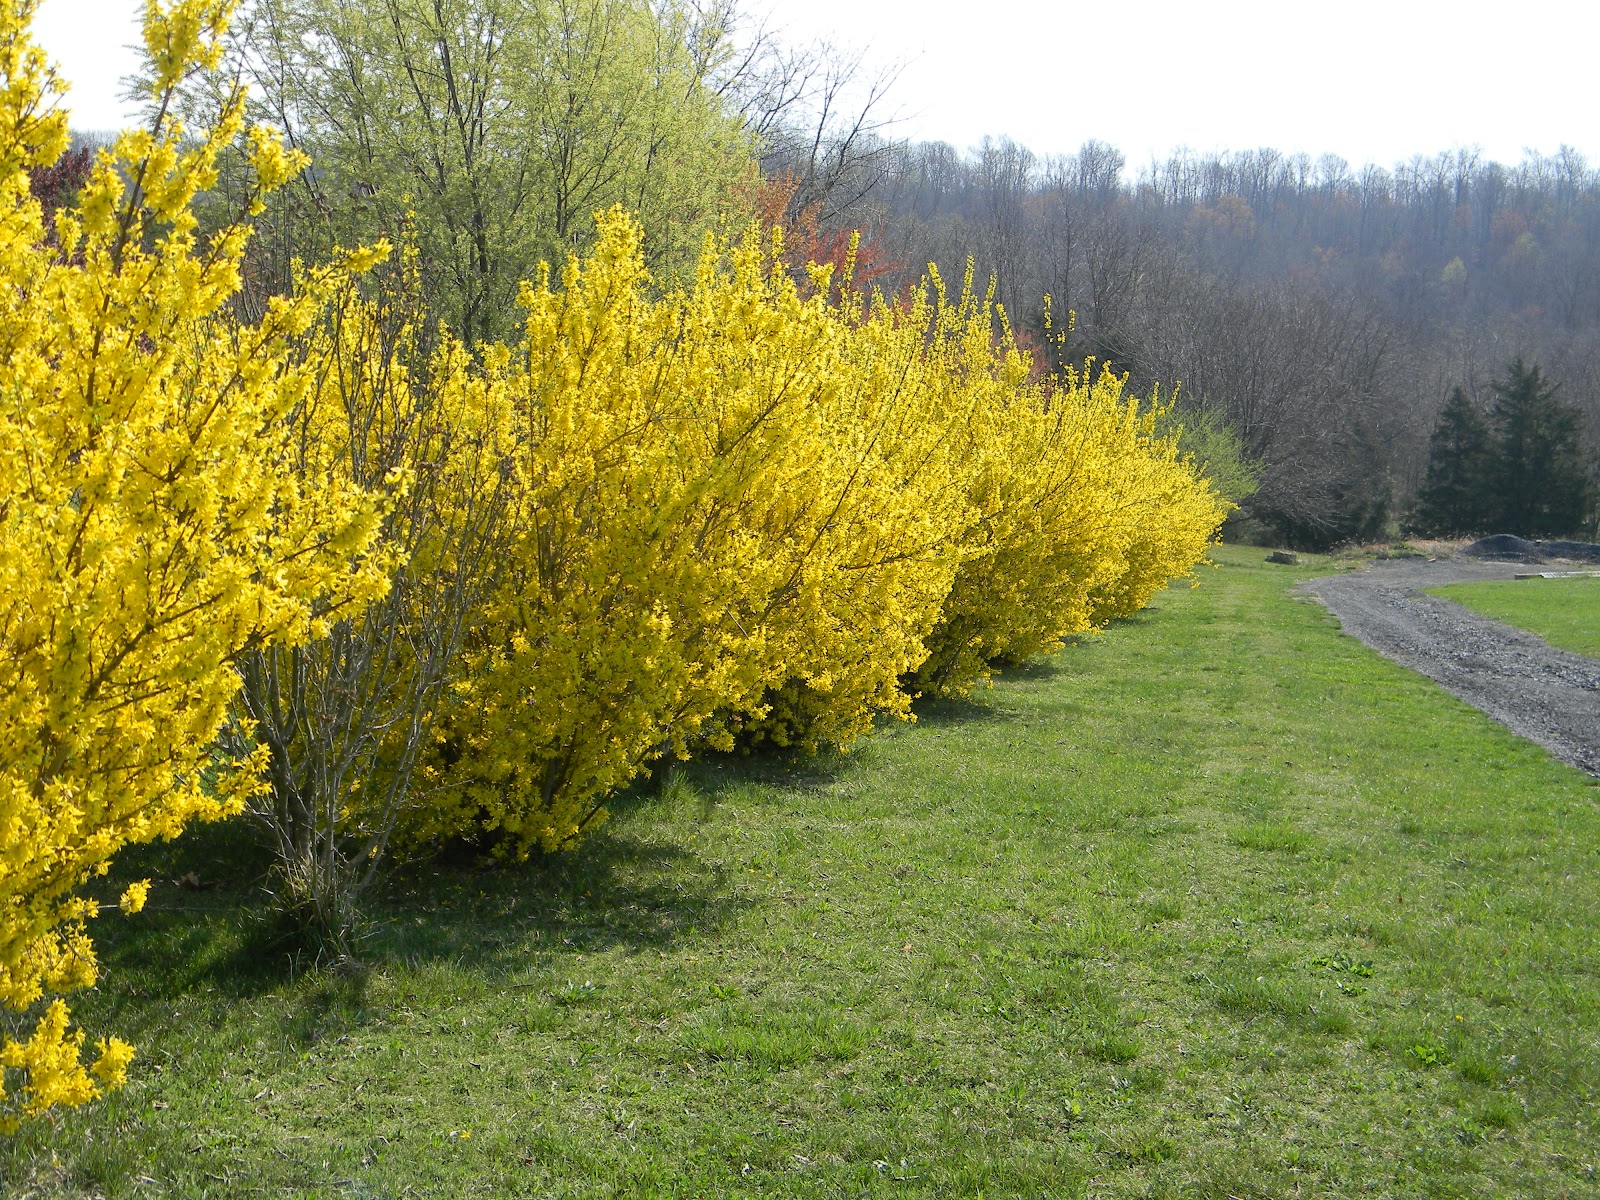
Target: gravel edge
1549, 696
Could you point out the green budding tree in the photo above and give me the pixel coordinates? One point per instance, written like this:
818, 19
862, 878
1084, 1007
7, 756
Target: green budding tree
491, 131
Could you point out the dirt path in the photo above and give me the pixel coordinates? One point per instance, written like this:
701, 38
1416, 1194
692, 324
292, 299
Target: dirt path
1545, 695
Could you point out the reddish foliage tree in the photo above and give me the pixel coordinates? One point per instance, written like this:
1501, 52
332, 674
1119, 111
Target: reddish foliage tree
58, 185
774, 202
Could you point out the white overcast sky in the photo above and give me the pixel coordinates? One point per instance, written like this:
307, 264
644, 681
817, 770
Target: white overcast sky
1371, 80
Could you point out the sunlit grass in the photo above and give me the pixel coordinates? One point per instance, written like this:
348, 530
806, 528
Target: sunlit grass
1218, 903
1564, 612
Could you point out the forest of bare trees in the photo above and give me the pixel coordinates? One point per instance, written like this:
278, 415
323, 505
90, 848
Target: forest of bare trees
1325, 310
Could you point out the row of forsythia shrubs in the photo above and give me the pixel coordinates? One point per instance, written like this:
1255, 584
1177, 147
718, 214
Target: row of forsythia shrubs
751, 515
745, 511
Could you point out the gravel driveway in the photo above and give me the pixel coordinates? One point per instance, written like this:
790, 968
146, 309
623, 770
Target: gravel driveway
1546, 695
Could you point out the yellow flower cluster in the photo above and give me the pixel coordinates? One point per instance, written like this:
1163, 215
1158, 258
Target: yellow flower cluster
149, 527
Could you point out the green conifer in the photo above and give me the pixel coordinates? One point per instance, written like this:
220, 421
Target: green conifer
1539, 479
1455, 497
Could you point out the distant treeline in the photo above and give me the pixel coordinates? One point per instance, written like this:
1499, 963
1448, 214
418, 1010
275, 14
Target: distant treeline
1326, 310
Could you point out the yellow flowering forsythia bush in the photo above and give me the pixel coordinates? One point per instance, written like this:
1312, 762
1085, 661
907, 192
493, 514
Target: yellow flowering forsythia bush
346, 718
744, 513
719, 501
888, 476
150, 530
713, 502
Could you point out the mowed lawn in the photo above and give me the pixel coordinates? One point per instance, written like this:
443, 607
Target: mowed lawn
1564, 612
1216, 904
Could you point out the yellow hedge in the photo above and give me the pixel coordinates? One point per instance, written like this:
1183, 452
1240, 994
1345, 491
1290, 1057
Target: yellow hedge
1079, 513
733, 512
744, 514
715, 501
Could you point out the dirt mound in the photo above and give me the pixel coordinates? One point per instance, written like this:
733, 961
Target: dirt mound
1504, 547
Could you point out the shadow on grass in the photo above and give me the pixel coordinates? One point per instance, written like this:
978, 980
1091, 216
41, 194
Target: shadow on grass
616, 891
209, 926
712, 774
976, 710
1046, 667
984, 705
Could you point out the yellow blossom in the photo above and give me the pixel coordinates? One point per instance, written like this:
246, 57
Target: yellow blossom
134, 896
150, 529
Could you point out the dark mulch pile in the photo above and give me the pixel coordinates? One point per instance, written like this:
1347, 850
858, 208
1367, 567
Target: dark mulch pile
1505, 547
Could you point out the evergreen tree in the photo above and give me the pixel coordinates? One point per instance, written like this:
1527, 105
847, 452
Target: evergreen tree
1455, 497
1539, 478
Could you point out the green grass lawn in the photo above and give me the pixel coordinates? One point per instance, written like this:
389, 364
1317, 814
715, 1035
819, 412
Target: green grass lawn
1564, 612
1217, 904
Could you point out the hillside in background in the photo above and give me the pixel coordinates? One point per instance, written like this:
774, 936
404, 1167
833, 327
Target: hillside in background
1327, 311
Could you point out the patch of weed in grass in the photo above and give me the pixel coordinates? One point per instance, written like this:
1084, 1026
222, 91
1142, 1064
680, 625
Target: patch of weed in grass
1068, 988
1141, 1147
1333, 1021
572, 993
1346, 971
773, 1040
1113, 1047
1161, 908
1429, 1054
1288, 999
1478, 1070
1499, 1112
537, 1018
1342, 963
1266, 836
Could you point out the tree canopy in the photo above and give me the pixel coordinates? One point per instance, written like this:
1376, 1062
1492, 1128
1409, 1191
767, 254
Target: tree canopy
492, 131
